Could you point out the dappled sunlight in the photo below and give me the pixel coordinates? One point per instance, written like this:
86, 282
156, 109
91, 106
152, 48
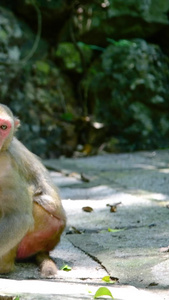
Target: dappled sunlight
135, 209
151, 167
151, 196
145, 167
97, 192
61, 180
66, 288
99, 196
165, 171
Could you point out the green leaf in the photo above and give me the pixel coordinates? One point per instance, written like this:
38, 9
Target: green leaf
67, 116
43, 66
103, 291
107, 279
66, 268
94, 47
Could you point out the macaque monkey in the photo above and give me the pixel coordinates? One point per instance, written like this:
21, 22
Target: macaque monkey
31, 214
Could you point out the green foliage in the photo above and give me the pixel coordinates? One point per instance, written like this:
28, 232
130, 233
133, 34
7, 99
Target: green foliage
43, 67
149, 10
45, 102
71, 55
67, 116
39, 99
54, 4
120, 19
118, 81
35, 90
130, 88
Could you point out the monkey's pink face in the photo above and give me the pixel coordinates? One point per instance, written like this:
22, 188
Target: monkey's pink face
5, 128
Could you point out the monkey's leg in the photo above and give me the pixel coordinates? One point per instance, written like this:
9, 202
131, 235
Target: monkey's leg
48, 268
7, 262
42, 239
45, 235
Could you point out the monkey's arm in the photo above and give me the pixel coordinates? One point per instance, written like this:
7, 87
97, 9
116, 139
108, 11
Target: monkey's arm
44, 192
13, 227
15, 205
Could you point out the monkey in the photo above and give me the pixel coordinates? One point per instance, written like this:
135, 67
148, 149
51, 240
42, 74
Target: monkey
32, 217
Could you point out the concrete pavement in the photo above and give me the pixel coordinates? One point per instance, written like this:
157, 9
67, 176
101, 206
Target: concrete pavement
130, 244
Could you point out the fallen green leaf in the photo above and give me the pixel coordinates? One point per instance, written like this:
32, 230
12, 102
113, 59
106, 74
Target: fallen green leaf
107, 279
66, 268
103, 291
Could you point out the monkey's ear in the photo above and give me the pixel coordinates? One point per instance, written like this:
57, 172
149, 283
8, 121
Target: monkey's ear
17, 123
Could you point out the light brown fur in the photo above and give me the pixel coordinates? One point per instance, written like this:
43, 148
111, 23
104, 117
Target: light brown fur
31, 214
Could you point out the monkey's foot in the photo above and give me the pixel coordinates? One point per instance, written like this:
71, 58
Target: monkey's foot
47, 266
48, 270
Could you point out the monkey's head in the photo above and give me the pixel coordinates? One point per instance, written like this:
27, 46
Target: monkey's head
8, 125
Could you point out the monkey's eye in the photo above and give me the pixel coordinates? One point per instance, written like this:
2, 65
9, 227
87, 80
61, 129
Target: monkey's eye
3, 127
